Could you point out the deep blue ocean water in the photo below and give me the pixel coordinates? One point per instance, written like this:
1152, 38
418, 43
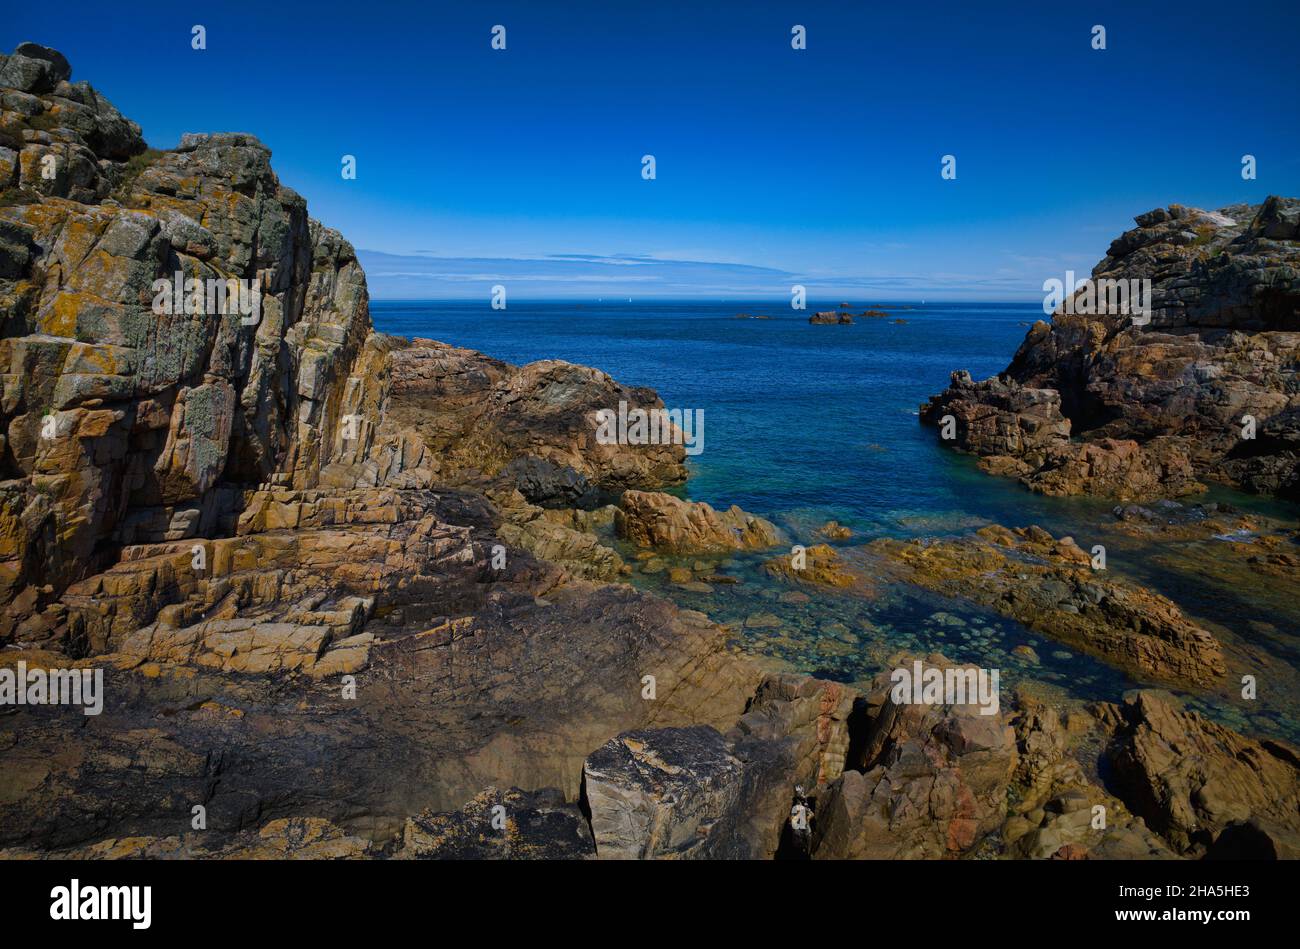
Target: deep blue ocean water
806, 423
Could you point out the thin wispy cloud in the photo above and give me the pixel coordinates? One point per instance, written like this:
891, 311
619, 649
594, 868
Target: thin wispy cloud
401, 276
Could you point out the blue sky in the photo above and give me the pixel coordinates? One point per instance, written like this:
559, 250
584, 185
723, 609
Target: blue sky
820, 166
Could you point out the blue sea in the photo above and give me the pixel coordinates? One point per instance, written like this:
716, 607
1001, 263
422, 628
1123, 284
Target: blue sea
808, 423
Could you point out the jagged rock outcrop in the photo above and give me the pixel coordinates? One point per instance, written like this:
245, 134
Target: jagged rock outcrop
1104, 403
1020, 432
945, 781
534, 426
660, 521
831, 317
933, 783
1204, 787
1060, 812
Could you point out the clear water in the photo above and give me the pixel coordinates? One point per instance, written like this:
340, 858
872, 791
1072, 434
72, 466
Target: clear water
805, 423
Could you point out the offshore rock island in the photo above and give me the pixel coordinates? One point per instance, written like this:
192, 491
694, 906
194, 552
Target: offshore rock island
359, 596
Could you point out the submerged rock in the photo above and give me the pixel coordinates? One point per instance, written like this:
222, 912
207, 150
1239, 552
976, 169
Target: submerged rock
1049, 586
820, 565
834, 530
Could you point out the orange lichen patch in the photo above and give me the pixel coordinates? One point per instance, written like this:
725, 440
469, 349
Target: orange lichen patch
45, 216
219, 709
60, 319
101, 274
99, 359
95, 424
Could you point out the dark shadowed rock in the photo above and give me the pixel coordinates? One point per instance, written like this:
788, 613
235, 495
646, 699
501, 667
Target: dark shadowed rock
501, 825
694, 793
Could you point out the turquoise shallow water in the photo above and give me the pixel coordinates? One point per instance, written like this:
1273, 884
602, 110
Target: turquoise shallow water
807, 423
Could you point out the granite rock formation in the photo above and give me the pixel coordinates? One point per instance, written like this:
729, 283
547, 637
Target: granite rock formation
350, 594
1203, 388
652, 519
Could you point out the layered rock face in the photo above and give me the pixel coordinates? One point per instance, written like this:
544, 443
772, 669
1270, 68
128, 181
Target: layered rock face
1101, 403
127, 421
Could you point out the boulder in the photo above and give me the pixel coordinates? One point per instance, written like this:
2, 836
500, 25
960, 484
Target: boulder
668, 524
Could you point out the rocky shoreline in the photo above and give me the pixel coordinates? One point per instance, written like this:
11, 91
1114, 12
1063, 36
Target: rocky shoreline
356, 596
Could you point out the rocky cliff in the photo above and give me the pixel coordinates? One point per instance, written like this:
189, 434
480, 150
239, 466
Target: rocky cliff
1203, 387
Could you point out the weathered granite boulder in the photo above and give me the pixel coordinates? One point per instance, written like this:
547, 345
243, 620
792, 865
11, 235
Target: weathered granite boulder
656, 520
501, 825
1060, 812
533, 427
933, 782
